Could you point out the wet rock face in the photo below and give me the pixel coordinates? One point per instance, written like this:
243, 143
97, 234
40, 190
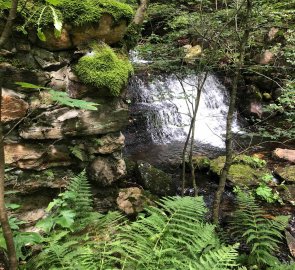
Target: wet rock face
104, 171
153, 179
52, 140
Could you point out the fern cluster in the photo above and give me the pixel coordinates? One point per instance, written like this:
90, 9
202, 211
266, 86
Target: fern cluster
172, 235
261, 234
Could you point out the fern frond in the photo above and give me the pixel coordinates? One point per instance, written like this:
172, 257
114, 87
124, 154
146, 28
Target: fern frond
79, 195
219, 259
171, 237
260, 234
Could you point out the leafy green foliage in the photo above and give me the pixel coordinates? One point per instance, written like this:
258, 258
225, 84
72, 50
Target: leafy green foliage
74, 203
267, 193
21, 239
103, 68
252, 161
172, 235
57, 23
261, 235
62, 97
78, 152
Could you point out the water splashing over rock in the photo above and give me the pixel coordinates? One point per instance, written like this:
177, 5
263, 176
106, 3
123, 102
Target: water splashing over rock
162, 107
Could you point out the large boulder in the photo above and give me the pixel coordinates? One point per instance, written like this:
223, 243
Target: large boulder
105, 170
245, 170
73, 36
153, 179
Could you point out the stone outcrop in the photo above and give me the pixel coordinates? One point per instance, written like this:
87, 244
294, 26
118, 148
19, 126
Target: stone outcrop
48, 141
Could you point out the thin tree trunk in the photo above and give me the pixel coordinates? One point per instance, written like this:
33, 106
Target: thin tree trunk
183, 158
3, 213
197, 102
230, 117
191, 135
140, 12
9, 23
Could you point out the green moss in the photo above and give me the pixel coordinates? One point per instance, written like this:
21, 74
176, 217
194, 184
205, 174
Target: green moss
103, 68
201, 162
287, 173
89, 11
73, 12
254, 162
243, 171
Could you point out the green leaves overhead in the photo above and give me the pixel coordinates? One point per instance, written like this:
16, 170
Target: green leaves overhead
62, 97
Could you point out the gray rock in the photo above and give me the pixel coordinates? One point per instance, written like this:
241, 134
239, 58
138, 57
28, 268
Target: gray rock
65, 122
104, 171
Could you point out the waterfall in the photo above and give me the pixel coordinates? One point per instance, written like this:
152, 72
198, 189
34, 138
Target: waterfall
165, 114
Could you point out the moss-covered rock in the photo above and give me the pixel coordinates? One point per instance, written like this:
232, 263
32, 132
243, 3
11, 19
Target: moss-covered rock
103, 68
201, 162
243, 171
153, 179
89, 11
74, 12
287, 173
80, 22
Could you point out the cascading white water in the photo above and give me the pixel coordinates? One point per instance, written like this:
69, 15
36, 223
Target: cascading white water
167, 112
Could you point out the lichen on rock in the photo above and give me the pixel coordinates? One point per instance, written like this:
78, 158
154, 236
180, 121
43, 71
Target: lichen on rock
103, 68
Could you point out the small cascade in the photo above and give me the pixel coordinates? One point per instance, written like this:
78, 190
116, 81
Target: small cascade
163, 108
